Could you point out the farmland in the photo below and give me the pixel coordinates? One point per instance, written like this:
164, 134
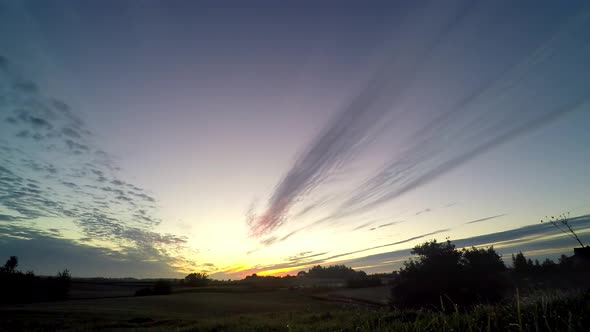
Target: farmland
242, 309
176, 310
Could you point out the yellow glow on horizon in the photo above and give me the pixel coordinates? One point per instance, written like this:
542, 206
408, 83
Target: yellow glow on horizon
282, 272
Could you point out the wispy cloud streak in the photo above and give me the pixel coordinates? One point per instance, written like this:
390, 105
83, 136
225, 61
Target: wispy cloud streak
469, 101
485, 219
355, 126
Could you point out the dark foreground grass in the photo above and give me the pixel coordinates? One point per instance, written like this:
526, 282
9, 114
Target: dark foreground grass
540, 312
558, 312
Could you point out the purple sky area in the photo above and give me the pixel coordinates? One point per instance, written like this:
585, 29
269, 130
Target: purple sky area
157, 138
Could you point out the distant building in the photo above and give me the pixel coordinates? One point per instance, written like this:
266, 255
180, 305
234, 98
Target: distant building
581, 258
582, 253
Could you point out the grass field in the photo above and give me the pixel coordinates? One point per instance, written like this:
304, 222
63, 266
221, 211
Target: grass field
282, 310
176, 310
188, 305
81, 289
369, 295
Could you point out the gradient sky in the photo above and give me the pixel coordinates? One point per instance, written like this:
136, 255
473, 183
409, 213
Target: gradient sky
157, 138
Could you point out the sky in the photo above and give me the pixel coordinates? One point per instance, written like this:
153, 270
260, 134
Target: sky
158, 138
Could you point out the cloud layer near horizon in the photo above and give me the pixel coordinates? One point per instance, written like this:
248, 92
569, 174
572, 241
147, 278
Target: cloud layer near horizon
538, 240
51, 171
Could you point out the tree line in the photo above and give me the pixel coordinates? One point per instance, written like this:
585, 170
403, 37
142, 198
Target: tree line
443, 276
25, 287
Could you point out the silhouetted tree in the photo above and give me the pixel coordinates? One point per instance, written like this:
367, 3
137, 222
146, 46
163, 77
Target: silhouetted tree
10, 265
433, 274
521, 264
530, 264
269, 282
18, 287
63, 282
549, 265
443, 275
334, 272
197, 279
483, 261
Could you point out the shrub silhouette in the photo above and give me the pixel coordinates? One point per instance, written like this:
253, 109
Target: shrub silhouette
442, 276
